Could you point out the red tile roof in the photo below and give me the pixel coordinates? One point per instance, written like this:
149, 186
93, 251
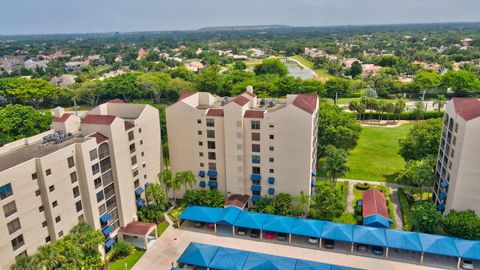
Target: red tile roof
99, 137
215, 112
467, 108
250, 93
237, 200
306, 102
128, 125
97, 119
117, 100
241, 100
137, 228
185, 94
374, 203
253, 114
62, 118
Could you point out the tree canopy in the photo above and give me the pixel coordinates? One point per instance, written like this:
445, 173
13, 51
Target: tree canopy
422, 140
271, 66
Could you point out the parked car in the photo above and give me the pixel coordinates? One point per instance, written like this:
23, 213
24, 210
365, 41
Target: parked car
329, 244
254, 233
269, 235
282, 236
197, 224
210, 225
313, 240
466, 264
377, 250
242, 231
362, 248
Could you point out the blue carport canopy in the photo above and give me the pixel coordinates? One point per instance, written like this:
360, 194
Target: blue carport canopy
230, 214
369, 236
198, 254
307, 227
202, 214
337, 231
436, 244
468, 249
281, 224
403, 240
250, 220
377, 221
227, 258
309, 265
259, 261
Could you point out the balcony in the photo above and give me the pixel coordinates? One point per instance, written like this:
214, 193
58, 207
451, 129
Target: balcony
256, 188
256, 177
202, 184
212, 183
212, 173
201, 173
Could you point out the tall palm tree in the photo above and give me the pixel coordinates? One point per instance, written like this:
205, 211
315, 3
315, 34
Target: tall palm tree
165, 177
26, 263
186, 178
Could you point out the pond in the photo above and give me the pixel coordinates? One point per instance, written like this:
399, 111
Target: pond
295, 70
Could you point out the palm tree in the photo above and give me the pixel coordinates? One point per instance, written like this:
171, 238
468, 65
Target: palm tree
155, 194
166, 178
49, 256
440, 102
186, 178
26, 263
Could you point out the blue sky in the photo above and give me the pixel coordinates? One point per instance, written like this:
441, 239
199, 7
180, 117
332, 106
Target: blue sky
78, 16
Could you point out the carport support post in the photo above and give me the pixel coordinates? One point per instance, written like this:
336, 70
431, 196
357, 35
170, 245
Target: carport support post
289, 238
319, 242
458, 262
421, 258
261, 234
215, 227
351, 250
233, 230
386, 252
145, 241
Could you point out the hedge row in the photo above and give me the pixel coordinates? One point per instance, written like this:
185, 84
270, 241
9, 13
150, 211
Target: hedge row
405, 206
403, 116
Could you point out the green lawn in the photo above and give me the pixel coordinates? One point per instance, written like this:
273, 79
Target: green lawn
128, 261
161, 228
376, 158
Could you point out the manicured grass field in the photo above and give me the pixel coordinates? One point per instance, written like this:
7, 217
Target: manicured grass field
376, 158
128, 261
161, 228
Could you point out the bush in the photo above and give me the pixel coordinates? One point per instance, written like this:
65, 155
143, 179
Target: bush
403, 116
425, 217
211, 198
358, 210
121, 250
405, 206
151, 213
359, 219
464, 224
362, 186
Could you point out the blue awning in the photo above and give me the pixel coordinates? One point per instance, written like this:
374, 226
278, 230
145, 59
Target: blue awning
140, 202
369, 236
314, 183
442, 195
468, 249
105, 217
147, 184
212, 173
250, 220
256, 177
436, 244
259, 261
444, 183
202, 214
271, 180
212, 183
403, 240
377, 220
139, 191
255, 198
256, 188
314, 173
201, 173
441, 207
107, 230
271, 191
276, 223
308, 227
109, 243
228, 258
201, 183
198, 254
337, 231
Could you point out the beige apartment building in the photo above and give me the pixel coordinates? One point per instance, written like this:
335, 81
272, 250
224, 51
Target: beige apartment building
92, 169
245, 145
457, 184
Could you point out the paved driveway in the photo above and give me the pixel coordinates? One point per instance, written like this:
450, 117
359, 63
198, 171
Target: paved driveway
173, 242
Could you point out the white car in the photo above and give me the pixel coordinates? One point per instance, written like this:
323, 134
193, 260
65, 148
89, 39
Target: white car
313, 240
467, 264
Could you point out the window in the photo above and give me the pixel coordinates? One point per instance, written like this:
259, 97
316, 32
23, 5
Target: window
76, 192
239, 123
212, 166
23, 253
14, 226
44, 224
51, 188
73, 177
54, 204
212, 156
140, 130
272, 171
17, 242
60, 233
47, 239
109, 191
255, 124
37, 192
211, 145
201, 164
141, 142
95, 168
144, 165
143, 154
97, 182
255, 147
132, 148
70, 162
105, 164
200, 154
107, 178
34, 176
272, 136
9, 209
41, 208
271, 125
199, 121
93, 154
255, 159
211, 134
456, 127
48, 172
58, 219
100, 196
255, 170
130, 135
199, 132
200, 143
102, 209
135, 173
136, 183
271, 159
255, 136
133, 160
103, 150
454, 141
271, 148
6, 191
78, 206
239, 146
144, 176
210, 122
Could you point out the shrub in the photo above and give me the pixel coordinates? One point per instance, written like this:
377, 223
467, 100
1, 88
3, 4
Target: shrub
464, 224
362, 186
405, 206
358, 210
359, 219
425, 217
211, 198
122, 249
403, 116
151, 213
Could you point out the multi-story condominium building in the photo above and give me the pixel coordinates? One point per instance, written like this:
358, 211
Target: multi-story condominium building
90, 169
457, 184
245, 145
